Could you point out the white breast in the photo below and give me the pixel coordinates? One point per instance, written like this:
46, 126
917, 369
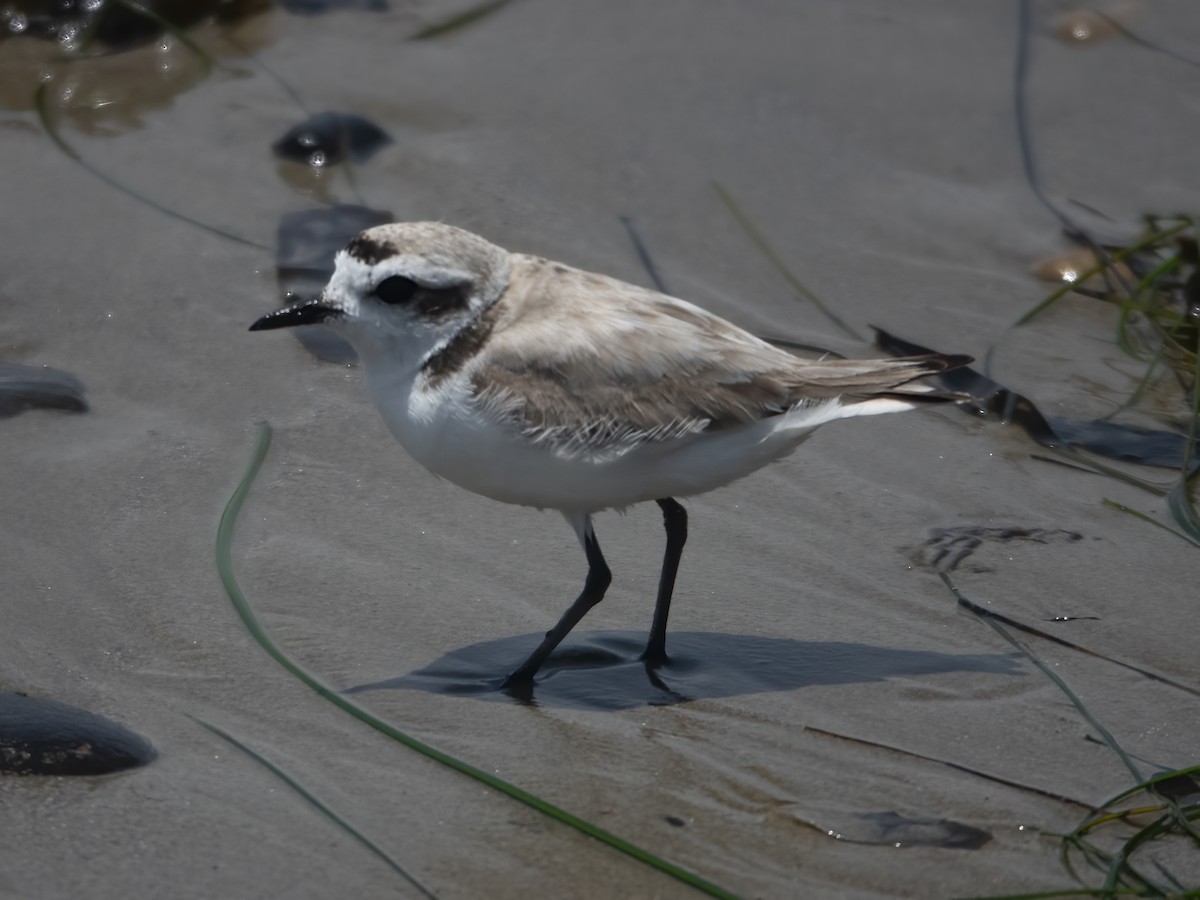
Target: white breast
447, 433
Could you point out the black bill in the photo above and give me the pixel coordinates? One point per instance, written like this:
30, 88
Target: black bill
311, 312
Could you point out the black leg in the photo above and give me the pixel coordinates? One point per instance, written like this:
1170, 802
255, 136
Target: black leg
675, 521
598, 579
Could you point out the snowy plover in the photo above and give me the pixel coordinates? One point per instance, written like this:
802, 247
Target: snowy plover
534, 383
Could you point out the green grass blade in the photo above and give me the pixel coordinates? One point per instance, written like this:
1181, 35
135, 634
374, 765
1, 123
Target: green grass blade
1127, 340
1156, 235
1122, 871
1112, 504
1121, 875
987, 617
225, 568
1093, 856
1063, 642
1176, 885
54, 135
764, 247
1068, 892
643, 255
1149, 785
1143, 384
1090, 464
313, 801
1180, 499
1154, 276
958, 767
1184, 817
1148, 241
455, 22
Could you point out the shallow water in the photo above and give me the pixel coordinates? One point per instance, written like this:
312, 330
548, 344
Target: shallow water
877, 152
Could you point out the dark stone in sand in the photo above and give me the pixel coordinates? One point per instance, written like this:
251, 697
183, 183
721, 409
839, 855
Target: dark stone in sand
44, 737
329, 137
314, 7
31, 387
307, 242
117, 25
893, 829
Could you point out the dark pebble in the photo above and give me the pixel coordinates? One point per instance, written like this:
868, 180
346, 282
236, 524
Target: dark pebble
117, 25
44, 737
315, 7
31, 387
329, 137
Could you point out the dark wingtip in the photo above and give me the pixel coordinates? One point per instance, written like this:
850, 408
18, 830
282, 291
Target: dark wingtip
930, 397
943, 362
948, 361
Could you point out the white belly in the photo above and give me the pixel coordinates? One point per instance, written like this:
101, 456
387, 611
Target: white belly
447, 435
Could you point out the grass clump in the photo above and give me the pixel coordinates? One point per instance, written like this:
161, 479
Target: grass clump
1153, 284
1126, 840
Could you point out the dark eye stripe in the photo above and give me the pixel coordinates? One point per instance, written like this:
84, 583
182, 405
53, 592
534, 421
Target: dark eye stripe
397, 290
437, 303
431, 303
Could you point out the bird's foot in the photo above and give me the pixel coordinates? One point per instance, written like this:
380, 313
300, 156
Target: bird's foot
654, 658
519, 686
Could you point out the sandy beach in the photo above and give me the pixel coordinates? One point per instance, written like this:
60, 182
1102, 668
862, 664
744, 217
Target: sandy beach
819, 672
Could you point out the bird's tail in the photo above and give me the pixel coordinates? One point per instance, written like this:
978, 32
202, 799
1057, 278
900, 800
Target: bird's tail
881, 385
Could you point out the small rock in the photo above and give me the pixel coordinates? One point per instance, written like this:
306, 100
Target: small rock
329, 137
44, 737
33, 387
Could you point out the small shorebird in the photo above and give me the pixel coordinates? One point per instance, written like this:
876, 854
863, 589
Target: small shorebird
535, 383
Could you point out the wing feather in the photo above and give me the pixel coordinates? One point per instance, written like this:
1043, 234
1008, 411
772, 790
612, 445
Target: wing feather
585, 362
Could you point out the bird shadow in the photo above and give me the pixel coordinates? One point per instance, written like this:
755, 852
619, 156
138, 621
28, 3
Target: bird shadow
602, 670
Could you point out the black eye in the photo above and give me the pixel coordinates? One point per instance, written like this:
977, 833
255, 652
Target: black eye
397, 290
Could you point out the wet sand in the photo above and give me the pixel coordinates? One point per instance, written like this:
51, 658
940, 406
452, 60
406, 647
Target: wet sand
876, 148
